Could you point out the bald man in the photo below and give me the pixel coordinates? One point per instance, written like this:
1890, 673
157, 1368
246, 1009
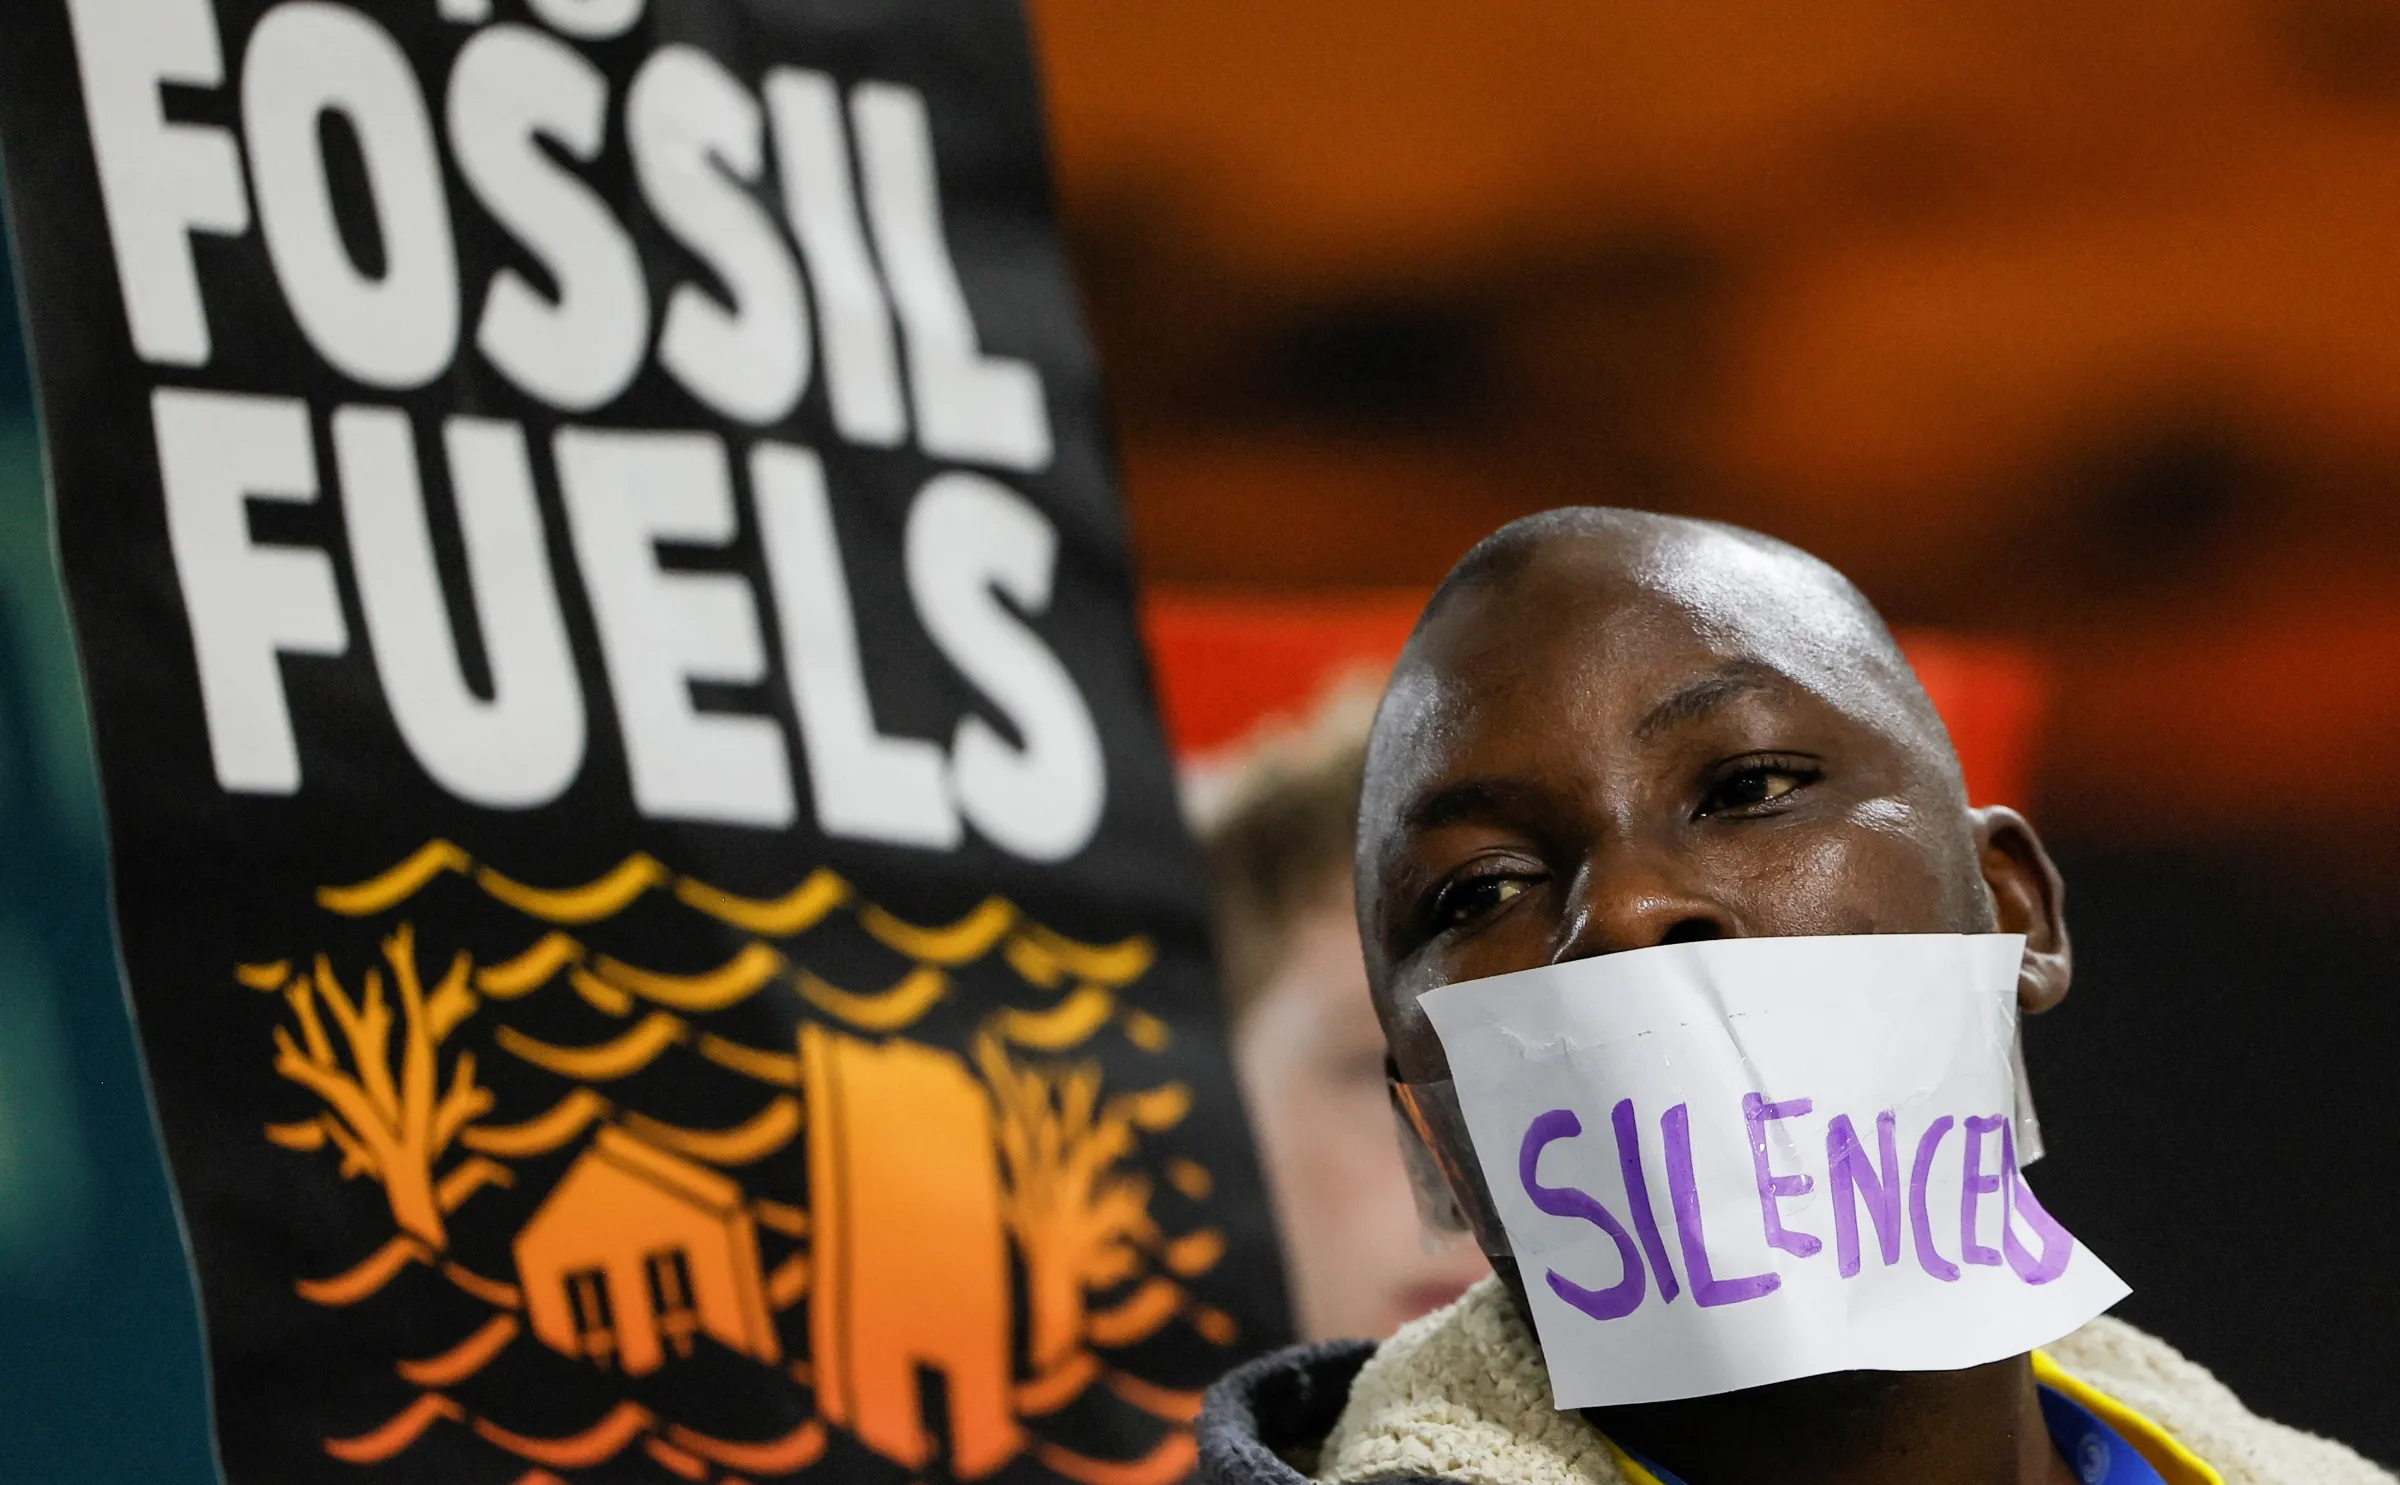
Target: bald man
1611, 731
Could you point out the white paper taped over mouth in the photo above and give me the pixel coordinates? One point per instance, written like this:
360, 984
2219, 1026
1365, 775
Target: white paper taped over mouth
1732, 1163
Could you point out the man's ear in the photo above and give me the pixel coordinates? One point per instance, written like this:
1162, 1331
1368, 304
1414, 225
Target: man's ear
2028, 897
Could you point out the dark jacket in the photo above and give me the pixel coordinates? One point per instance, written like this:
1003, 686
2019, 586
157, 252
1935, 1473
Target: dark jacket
1263, 1423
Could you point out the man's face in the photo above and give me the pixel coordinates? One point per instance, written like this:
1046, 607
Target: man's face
1604, 753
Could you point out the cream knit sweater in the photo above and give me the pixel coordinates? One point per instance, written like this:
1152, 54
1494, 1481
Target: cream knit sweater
1462, 1393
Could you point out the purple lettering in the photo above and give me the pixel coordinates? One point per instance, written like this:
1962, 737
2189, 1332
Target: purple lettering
1974, 1187
1618, 1299
1847, 1171
1928, 1258
1757, 1113
2057, 1246
1637, 1194
1684, 1194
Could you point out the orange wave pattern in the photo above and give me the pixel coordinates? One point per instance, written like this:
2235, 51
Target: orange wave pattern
397, 883
1168, 1403
1067, 1024
368, 1276
601, 1062
779, 1068
790, 1454
1042, 957
951, 945
395, 1433
264, 976
466, 1358
452, 1191
544, 1132
779, 1216
787, 1285
529, 970
598, 1444
752, 1140
879, 1010
300, 1134
1138, 1316
599, 993
1174, 1458
604, 896
729, 984
1045, 1395
492, 1292
1196, 1252
603, 1441
797, 911
690, 1466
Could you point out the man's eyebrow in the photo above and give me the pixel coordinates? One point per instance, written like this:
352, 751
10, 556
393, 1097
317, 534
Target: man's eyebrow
1472, 799
1691, 702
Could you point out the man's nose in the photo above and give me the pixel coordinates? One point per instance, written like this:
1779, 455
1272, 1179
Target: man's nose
1631, 900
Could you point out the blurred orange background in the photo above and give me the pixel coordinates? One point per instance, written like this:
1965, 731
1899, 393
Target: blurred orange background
2071, 325
2072, 332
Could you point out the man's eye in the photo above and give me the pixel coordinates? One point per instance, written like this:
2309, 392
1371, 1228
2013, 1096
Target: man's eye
1464, 902
1753, 787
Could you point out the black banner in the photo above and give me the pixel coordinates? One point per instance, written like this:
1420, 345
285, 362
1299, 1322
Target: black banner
644, 859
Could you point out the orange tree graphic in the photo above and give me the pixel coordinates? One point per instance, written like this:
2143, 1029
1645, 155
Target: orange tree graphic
394, 1124
1081, 1218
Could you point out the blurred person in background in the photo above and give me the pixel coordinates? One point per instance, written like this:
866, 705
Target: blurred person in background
1277, 822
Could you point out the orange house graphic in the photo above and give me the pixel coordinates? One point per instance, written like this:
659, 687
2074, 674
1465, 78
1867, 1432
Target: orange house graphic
635, 1253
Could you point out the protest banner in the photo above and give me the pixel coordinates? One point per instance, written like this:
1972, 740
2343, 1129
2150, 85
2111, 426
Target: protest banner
644, 859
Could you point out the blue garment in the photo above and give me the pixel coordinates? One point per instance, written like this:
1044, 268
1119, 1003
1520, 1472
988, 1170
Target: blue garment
2096, 1452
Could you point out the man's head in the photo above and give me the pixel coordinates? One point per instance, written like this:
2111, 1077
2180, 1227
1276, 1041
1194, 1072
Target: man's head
1613, 730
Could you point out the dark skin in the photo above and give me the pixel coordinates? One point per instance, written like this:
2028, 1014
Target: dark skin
1651, 731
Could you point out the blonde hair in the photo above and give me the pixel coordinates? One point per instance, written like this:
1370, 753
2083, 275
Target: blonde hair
1278, 820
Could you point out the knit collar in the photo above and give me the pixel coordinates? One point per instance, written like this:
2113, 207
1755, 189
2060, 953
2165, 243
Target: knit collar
1463, 1394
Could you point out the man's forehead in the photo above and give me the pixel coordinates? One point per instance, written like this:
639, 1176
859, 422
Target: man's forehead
1660, 607
1629, 629
1554, 693
1741, 595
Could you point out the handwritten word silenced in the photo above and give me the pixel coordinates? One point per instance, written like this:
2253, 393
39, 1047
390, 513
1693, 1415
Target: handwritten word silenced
1862, 1173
